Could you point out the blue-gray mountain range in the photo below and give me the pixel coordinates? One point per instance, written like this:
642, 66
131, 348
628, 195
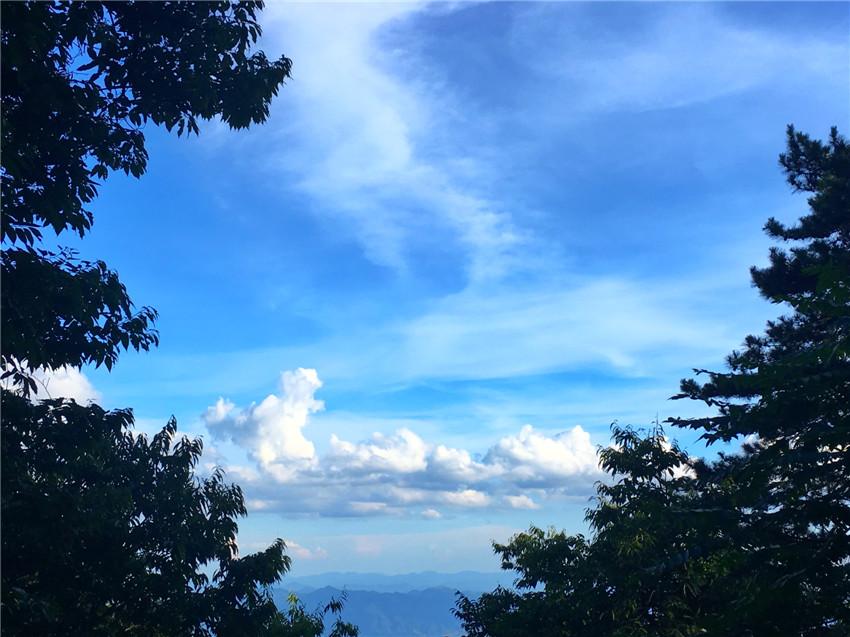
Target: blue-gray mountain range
411, 605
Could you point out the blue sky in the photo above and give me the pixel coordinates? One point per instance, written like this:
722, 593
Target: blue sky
404, 311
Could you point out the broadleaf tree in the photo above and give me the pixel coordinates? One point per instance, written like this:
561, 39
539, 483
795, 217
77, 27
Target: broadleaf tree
106, 531
757, 540
80, 82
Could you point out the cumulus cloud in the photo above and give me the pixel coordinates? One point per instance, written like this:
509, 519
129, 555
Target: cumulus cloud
403, 452
521, 502
466, 498
271, 430
532, 458
390, 474
457, 465
63, 382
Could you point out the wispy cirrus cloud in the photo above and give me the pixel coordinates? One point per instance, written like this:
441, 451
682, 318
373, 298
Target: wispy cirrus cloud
367, 131
632, 326
375, 133
364, 126
664, 56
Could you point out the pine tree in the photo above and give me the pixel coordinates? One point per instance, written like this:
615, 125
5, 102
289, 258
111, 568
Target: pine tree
755, 542
787, 393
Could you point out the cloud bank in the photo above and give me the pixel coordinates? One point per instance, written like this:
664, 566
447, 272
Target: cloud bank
391, 474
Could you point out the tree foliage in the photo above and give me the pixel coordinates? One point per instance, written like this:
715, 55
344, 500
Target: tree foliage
788, 393
106, 531
80, 82
109, 532
755, 542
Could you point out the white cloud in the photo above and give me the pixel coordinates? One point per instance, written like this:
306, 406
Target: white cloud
466, 498
64, 382
533, 458
555, 325
271, 431
352, 131
248, 544
368, 508
403, 452
751, 439
457, 465
364, 126
684, 54
303, 553
521, 502
372, 118
431, 514
256, 504
245, 474
391, 474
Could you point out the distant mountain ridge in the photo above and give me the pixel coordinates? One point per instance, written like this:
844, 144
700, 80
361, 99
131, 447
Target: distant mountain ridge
465, 581
409, 605
423, 613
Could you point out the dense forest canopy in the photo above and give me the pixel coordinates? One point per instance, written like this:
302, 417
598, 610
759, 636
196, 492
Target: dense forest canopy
80, 82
